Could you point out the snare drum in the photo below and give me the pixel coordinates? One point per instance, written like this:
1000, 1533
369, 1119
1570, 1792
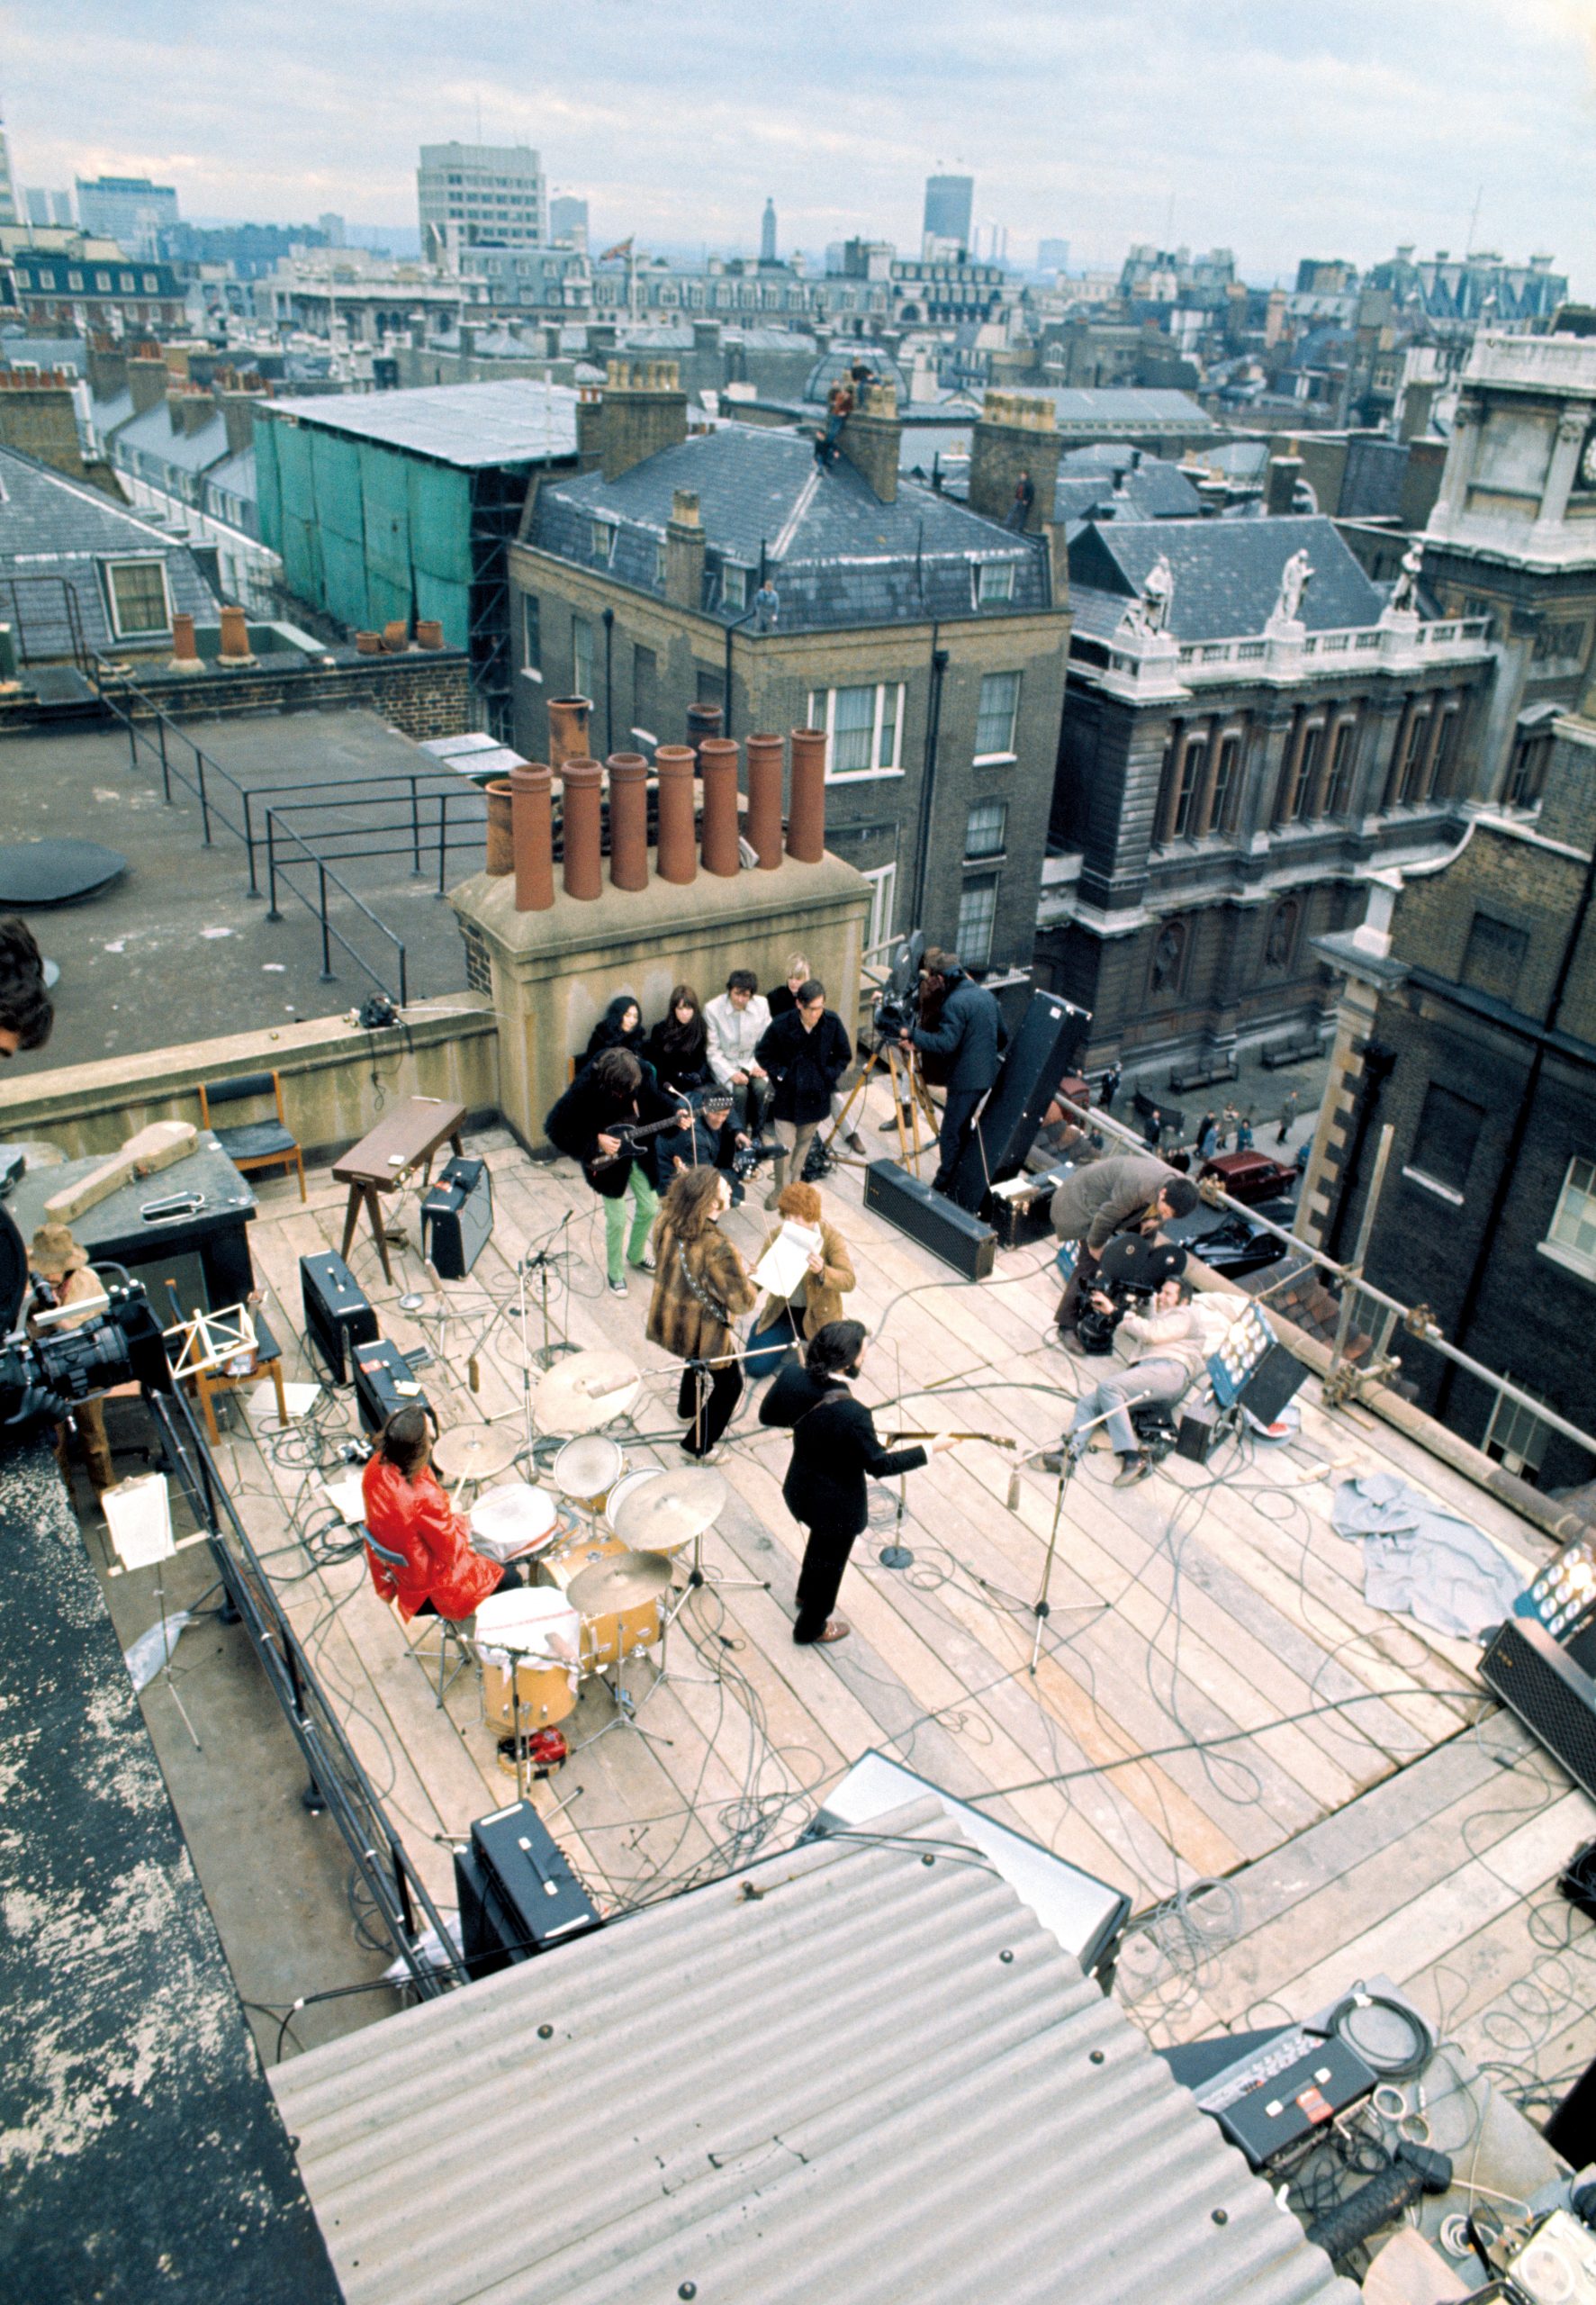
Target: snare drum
623, 1490
587, 1469
508, 1523
605, 1640
539, 1632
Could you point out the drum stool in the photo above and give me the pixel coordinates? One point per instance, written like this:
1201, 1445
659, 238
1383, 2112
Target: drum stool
451, 1639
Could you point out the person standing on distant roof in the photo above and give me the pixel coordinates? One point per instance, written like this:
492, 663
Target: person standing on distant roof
1019, 511
839, 408
767, 607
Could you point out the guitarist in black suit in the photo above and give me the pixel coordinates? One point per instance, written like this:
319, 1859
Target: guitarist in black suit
834, 1444
598, 1121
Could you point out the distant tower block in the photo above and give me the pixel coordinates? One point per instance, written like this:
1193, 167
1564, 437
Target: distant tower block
767, 234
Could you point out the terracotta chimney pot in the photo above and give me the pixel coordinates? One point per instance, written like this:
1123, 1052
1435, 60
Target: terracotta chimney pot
184, 651
805, 814
582, 780
764, 800
628, 820
429, 632
677, 859
568, 729
235, 637
702, 720
531, 819
717, 766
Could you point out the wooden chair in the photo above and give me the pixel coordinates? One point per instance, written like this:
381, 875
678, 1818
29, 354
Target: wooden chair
451, 1639
253, 1143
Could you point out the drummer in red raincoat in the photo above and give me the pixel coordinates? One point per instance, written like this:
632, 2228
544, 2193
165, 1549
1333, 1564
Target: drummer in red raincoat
407, 1512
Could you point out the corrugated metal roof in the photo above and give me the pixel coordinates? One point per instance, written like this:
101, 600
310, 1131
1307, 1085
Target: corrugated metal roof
506, 420
847, 2073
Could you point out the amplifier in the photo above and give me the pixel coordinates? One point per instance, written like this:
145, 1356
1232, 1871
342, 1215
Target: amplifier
1041, 1052
1195, 1433
1290, 2104
1551, 1694
519, 1895
337, 1314
457, 1218
1278, 1377
383, 1382
938, 1224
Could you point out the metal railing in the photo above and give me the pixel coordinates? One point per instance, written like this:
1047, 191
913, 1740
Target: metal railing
48, 651
337, 1780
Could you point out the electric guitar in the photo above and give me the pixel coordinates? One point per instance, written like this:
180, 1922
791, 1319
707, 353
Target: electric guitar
715, 1105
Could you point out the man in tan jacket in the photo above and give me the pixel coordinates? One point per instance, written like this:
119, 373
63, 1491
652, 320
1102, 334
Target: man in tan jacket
780, 1322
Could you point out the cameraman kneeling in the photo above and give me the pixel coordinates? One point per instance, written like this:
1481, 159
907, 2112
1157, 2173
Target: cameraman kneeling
1176, 1336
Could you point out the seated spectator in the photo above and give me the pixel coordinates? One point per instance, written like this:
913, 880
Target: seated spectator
737, 1020
620, 1026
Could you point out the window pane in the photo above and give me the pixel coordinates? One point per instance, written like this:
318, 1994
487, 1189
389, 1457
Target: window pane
1340, 783
997, 582
1307, 768
531, 631
853, 726
1575, 1224
1229, 753
984, 834
1448, 1129
887, 743
603, 538
139, 594
581, 658
978, 910
734, 586
1191, 776
994, 722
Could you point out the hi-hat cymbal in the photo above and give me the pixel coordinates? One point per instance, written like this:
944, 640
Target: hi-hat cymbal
623, 1582
670, 1511
584, 1391
475, 1452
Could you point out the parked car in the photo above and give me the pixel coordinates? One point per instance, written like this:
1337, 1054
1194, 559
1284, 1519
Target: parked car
1250, 1177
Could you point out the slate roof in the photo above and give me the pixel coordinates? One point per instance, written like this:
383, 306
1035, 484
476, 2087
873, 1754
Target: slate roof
1151, 490
152, 435
507, 421
1128, 404
51, 527
108, 414
1227, 573
836, 554
18, 350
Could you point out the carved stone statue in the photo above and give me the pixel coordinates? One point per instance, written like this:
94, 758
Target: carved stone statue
1404, 592
1151, 613
1294, 580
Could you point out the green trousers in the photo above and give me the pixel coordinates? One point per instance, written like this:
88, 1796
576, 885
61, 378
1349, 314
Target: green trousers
644, 1209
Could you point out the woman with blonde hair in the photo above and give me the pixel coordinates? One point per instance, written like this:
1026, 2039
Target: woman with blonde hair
815, 1300
701, 1285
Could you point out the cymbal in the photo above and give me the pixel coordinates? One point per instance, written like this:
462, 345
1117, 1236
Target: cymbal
662, 1514
622, 1582
584, 1391
475, 1452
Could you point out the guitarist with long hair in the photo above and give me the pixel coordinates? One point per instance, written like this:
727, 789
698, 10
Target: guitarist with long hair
600, 1121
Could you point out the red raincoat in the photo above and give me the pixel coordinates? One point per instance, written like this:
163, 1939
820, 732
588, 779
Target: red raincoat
414, 1517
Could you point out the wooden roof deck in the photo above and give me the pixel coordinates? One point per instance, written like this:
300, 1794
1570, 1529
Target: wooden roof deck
1315, 1752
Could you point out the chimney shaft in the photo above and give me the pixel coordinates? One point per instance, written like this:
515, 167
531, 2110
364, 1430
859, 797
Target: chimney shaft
764, 800
235, 638
684, 553
702, 720
147, 382
237, 413
717, 766
184, 651
1015, 433
567, 729
872, 438
532, 836
628, 820
676, 859
644, 410
805, 814
580, 781
1281, 486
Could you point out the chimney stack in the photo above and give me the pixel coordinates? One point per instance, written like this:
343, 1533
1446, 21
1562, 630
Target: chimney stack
676, 858
805, 816
764, 800
589, 427
1281, 486
107, 368
146, 381
1015, 433
235, 638
237, 413
531, 834
584, 832
186, 655
702, 720
684, 553
628, 820
644, 410
190, 410
717, 766
872, 438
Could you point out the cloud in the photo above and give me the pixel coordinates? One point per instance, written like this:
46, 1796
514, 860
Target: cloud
1270, 126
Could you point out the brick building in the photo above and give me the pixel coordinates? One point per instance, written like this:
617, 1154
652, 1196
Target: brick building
1468, 1023
1235, 755
926, 638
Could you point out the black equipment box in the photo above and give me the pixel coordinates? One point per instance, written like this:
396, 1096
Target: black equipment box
1041, 1052
457, 1218
1289, 2106
337, 1314
1278, 1376
938, 1224
1196, 1433
381, 1370
1551, 1694
517, 1894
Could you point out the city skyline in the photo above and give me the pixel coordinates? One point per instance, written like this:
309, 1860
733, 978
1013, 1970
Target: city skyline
1265, 130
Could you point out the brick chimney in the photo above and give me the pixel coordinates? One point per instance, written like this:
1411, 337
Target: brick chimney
871, 439
1280, 487
1015, 433
644, 410
146, 381
590, 429
684, 552
190, 409
107, 368
237, 413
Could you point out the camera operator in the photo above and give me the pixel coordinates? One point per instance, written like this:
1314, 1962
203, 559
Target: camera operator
26, 1016
1177, 1334
966, 1041
1127, 1192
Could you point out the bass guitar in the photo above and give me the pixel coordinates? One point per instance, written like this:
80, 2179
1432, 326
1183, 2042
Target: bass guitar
631, 1136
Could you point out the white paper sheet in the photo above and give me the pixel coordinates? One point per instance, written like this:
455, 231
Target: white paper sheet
139, 1516
787, 1259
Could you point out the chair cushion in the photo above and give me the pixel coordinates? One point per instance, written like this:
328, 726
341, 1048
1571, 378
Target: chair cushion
256, 1140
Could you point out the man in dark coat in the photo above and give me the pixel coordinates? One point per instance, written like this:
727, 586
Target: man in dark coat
1130, 1191
616, 1091
834, 1444
968, 1039
806, 1054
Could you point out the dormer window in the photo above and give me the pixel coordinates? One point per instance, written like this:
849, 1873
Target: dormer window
603, 540
994, 583
734, 587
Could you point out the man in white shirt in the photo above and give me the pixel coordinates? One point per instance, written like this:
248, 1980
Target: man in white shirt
1173, 1341
738, 1019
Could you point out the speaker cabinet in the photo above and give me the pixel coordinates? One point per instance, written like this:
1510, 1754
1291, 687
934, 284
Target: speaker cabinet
383, 1382
938, 1224
457, 1218
1041, 1052
336, 1313
1551, 1697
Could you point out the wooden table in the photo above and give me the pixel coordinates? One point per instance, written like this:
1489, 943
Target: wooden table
409, 1135
204, 1206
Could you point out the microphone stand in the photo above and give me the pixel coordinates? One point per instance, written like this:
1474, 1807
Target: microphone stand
540, 1261
1069, 1457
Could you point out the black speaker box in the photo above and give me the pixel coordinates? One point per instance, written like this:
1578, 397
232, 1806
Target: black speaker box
1551, 1697
337, 1314
1277, 1379
379, 1371
938, 1224
1041, 1052
535, 1900
1195, 1433
457, 1218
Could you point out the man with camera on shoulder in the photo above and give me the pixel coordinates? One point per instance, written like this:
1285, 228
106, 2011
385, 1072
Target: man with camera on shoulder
960, 1029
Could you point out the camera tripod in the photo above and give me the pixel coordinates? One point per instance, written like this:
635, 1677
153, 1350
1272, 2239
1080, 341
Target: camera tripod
910, 1097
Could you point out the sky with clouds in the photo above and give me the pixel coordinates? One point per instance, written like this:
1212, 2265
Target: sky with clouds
1268, 126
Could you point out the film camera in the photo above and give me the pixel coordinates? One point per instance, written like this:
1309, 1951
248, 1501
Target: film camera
897, 1005
747, 1157
119, 1345
1131, 1272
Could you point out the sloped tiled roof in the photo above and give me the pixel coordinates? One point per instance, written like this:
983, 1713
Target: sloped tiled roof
53, 527
1227, 573
152, 435
837, 556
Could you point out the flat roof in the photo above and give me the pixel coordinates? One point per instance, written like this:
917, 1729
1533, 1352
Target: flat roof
509, 421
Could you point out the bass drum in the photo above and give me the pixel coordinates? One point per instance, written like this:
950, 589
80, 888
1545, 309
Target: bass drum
528, 1643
